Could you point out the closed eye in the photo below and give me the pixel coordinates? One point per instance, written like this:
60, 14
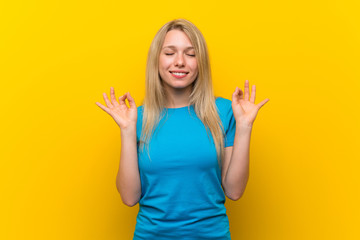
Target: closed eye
191, 55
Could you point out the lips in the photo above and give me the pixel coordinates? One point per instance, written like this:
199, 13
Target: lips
178, 71
179, 74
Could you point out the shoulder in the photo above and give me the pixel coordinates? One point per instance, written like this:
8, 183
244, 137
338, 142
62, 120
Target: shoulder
140, 109
227, 118
221, 100
223, 104
140, 113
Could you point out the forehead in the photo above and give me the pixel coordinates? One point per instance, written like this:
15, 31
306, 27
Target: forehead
177, 39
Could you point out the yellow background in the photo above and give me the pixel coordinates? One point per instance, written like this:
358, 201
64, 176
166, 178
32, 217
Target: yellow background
60, 152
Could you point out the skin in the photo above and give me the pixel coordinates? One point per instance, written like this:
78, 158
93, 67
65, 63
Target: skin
128, 177
235, 171
180, 56
177, 54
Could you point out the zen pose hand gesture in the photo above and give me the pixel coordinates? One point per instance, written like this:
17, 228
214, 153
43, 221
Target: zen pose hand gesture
245, 111
124, 116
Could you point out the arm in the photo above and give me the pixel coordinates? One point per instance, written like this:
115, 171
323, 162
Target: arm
235, 172
128, 178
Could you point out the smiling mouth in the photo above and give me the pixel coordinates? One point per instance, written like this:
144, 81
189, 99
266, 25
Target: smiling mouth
180, 74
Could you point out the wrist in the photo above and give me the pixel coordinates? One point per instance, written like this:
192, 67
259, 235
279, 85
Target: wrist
128, 130
243, 127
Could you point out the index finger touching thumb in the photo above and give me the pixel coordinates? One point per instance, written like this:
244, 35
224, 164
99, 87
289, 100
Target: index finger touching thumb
131, 100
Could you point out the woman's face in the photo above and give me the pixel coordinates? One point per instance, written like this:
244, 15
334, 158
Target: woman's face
177, 62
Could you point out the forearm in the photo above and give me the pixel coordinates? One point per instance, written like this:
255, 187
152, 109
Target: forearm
128, 178
238, 171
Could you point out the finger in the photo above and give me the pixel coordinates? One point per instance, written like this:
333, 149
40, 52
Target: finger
131, 100
112, 97
253, 94
246, 90
122, 100
103, 107
108, 103
262, 103
237, 95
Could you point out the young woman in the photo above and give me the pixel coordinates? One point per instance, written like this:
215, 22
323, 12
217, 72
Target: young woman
183, 150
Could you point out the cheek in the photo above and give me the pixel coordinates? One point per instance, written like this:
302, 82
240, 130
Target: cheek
162, 68
164, 63
194, 66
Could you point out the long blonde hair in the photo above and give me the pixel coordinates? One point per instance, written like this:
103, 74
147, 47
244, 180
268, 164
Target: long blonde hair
202, 96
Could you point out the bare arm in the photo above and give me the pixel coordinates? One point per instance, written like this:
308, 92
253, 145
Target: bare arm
235, 173
128, 177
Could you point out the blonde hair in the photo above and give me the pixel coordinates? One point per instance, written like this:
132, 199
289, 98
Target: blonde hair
202, 96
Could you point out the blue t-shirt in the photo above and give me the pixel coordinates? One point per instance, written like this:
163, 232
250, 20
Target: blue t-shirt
181, 192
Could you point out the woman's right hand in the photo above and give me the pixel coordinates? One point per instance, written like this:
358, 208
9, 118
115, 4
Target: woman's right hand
124, 116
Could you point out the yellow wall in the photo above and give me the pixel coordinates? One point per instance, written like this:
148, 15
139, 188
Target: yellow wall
60, 152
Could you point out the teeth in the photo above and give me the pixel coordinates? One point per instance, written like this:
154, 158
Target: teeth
178, 74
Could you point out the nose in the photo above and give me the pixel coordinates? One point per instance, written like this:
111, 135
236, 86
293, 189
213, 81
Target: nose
179, 61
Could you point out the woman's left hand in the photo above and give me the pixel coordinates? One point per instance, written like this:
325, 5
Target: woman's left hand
245, 111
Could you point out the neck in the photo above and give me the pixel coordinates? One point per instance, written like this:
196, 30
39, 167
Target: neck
177, 98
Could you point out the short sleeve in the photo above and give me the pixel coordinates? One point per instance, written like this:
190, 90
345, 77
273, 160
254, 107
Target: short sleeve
228, 120
140, 111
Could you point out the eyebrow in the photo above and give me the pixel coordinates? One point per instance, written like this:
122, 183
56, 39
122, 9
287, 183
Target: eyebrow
172, 46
